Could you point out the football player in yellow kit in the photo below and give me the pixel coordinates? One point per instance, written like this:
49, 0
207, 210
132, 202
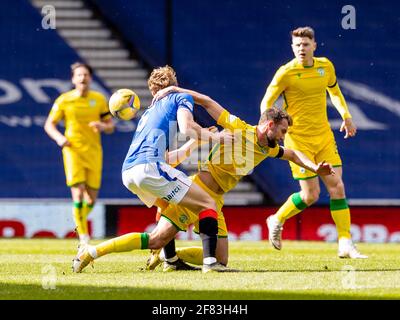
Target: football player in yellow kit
225, 166
303, 83
86, 115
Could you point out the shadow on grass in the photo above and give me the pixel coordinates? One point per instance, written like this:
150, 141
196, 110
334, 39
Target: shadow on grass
69, 292
321, 270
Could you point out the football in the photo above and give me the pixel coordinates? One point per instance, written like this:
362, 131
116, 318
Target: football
124, 104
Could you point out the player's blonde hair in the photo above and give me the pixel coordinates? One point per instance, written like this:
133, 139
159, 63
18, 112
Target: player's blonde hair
161, 78
304, 32
276, 115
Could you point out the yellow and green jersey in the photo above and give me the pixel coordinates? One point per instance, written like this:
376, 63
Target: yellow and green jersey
77, 112
228, 163
304, 94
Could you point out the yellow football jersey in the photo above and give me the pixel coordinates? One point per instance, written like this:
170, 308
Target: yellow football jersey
77, 112
228, 163
304, 94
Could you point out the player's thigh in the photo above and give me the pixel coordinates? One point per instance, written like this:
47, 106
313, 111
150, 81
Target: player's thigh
196, 199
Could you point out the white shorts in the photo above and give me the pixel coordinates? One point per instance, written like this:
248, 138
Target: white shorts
156, 180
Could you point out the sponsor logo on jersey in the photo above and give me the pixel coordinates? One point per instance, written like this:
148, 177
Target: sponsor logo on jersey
321, 71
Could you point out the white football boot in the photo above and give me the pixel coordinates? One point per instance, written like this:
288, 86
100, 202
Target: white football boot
348, 250
274, 232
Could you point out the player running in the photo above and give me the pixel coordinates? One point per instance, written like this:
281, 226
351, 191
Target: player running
86, 115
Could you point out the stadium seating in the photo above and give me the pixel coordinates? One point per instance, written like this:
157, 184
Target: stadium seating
35, 70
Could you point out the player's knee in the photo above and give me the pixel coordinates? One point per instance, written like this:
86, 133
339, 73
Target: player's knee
208, 204
338, 189
156, 242
311, 197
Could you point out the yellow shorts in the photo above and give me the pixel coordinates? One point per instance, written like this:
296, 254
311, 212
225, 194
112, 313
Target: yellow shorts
82, 167
182, 217
317, 149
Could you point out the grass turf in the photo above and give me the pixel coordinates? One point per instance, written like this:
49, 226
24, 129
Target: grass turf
41, 269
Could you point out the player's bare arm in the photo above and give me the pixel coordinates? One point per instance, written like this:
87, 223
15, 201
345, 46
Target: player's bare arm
299, 158
51, 129
212, 107
188, 126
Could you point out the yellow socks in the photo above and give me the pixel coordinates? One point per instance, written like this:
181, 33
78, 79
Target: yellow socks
80, 222
193, 255
80, 213
293, 205
86, 209
127, 242
341, 215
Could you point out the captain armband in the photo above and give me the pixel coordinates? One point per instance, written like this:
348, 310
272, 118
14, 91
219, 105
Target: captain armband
104, 114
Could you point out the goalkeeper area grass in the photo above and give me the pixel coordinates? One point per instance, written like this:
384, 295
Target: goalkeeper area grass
41, 269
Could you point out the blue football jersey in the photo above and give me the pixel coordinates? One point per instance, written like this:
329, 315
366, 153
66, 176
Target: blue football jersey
156, 126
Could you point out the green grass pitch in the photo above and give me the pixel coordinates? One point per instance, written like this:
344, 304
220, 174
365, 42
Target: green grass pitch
41, 269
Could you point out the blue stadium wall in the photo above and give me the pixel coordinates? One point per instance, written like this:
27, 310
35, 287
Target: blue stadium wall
228, 50
231, 50
30, 162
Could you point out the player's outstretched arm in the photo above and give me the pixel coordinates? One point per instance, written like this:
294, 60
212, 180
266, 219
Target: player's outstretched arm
211, 106
188, 126
299, 158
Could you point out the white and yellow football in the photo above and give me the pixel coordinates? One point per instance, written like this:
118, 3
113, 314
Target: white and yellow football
124, 104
